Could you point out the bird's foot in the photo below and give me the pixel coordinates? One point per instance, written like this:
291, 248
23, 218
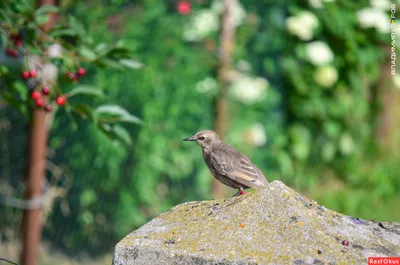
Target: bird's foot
240, 192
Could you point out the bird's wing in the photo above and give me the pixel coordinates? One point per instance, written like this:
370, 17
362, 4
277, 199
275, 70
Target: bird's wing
247, 174
229, 162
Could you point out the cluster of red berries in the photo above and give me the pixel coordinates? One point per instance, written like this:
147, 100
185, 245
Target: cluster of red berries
183, 7
29, 74
17, 40
39, 101
77, 75
12, 53
73, 76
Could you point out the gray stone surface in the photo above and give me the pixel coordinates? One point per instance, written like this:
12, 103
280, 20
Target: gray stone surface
271, 226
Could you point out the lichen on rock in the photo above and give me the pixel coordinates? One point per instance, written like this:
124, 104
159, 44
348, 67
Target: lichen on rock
270, 226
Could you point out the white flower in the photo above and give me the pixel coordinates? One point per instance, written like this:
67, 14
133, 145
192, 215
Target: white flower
396, 81
302, 25
256, 135
238, 12
207, 85
217, 6
326, 76
203, 23
319, 53
55, 50
380, 4
49, 73
315, 3
374, 18
249, 90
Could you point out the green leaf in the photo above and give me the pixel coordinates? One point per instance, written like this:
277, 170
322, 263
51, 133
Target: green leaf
131, 63
87, 217
87, 53
122, 134
86, 112
42, 19
347, 145
115, 113
328, 151
88, 197
22, 7
285, 163
10, 99
86, 90
301, 138
110, 63
21, 89
332, 129
76, 25
3, 70
45, 9
118, 52
63, 32
102, 49
106, 129
4, 39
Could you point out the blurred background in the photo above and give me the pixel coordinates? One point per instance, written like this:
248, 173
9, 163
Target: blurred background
304, 88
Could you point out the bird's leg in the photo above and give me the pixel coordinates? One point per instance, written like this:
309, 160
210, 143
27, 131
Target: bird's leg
240, 192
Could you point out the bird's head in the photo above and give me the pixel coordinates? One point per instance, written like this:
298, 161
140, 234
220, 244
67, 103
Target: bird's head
204, 138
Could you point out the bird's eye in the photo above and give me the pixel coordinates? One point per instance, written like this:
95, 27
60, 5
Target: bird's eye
201, 138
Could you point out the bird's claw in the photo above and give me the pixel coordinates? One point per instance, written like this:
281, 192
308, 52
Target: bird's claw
240, 192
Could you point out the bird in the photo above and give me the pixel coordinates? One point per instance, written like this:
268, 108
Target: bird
228, 165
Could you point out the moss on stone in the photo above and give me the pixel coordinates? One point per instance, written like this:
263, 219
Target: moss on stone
270, 226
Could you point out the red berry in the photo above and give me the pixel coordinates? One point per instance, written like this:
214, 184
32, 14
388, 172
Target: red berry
81, 71
184, 7
25, 74
12, 53
33, 73
345, 243
45, 90
48, 108
61, 100
18, 43
39, 102
242, 192
35, 95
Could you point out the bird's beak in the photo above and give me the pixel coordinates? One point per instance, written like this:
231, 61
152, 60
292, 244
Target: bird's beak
191, 138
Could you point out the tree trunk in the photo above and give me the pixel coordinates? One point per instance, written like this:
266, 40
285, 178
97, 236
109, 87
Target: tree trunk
225, 52
32, 221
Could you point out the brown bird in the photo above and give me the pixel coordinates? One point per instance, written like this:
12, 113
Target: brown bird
227, 164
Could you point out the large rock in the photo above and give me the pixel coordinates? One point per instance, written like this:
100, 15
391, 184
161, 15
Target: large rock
271, 226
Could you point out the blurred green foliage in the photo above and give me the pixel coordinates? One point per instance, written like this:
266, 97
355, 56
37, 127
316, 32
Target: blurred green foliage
319, 137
